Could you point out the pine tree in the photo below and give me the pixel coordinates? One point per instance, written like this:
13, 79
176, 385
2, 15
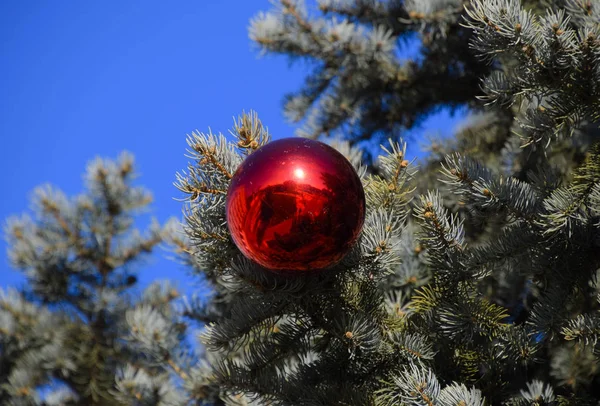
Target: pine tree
475, 278
76, 335
474, 281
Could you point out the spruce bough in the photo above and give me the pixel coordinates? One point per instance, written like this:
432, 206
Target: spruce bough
475, 278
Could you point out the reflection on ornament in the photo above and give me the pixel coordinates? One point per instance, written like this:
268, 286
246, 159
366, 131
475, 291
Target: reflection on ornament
299, 172
295, 204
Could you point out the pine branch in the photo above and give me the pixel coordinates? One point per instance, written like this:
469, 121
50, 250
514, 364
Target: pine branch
585, 328
470, 179
250, 132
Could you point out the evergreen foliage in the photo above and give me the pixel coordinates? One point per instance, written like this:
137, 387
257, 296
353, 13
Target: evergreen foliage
475, 278
474, 281
76, 335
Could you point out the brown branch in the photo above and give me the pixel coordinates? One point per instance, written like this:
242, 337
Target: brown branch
430, 215
62, 222
212, 235
203, 189
182, 374
411, 351
220, 166
55, 212
181, 247
209, 155
146, 246
424, 396
291, 9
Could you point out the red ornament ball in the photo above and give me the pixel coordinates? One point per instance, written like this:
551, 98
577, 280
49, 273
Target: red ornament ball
295, 204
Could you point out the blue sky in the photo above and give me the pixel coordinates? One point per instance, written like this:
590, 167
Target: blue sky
82, 79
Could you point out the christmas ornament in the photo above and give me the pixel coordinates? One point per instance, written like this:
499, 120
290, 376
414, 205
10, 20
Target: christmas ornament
295, 204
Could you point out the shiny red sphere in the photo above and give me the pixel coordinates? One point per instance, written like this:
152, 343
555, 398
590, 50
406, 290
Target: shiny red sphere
295, 204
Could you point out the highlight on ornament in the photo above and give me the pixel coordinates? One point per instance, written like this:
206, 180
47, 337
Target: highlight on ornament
295, 204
